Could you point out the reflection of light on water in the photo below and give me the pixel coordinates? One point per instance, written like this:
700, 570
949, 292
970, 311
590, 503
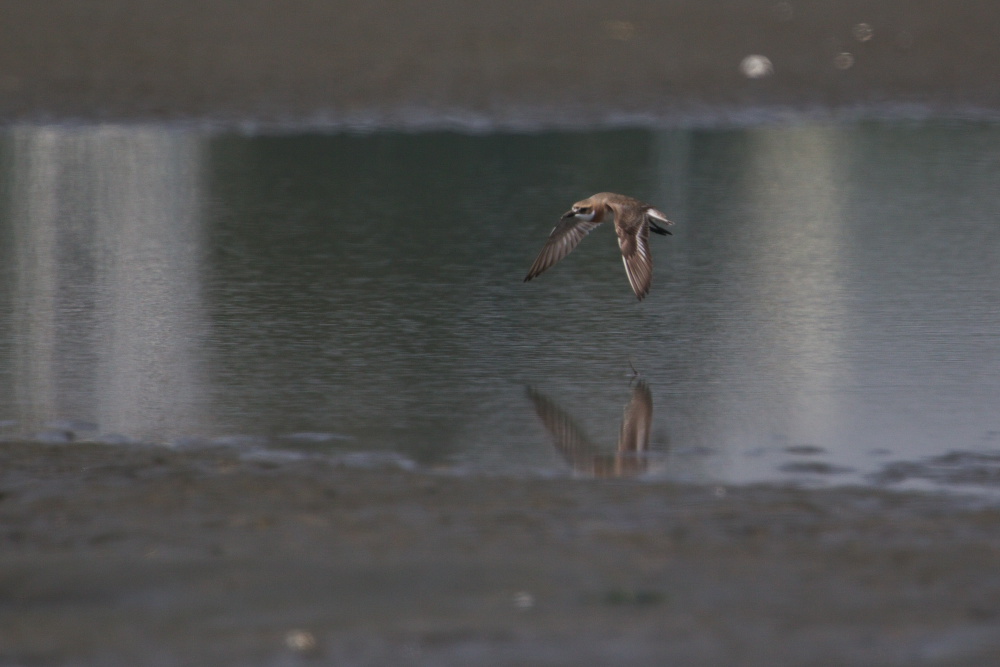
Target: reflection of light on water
105, 236
795, 272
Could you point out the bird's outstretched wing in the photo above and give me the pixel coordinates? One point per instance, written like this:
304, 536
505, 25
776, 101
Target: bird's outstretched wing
568, 438
584, 456
564, 237
633, 239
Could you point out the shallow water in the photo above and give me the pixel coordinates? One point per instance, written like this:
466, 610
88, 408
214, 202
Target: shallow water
829, 303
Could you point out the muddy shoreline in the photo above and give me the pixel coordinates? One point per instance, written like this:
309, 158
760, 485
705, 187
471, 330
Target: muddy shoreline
149, 555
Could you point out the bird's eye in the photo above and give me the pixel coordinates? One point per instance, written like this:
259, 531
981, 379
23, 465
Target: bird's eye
583, 209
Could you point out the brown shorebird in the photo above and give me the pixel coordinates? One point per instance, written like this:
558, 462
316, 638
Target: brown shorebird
633, 222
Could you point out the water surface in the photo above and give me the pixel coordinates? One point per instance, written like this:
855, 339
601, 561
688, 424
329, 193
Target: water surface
829, 302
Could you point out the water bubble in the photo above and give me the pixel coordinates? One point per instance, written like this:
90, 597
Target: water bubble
862, 32
756, 66
300, 640
843, 60
524, 600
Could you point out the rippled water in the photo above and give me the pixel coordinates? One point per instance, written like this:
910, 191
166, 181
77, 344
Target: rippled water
829, 303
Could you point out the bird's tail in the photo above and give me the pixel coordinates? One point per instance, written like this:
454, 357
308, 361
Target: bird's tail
655, 215
655, 228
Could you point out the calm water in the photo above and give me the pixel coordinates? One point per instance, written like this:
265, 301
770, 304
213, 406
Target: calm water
829, 302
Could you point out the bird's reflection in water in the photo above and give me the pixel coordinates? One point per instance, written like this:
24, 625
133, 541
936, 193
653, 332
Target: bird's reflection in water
586, 458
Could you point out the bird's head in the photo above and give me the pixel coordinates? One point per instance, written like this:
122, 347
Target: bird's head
583, 210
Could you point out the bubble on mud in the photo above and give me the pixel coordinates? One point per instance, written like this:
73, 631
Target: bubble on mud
843, 60
862, 32
756, 66
524, 600
300, 640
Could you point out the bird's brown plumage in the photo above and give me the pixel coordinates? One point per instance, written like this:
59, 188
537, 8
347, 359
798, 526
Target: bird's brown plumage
633, 220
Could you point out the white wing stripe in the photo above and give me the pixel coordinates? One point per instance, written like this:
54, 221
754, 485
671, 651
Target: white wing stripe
659, 215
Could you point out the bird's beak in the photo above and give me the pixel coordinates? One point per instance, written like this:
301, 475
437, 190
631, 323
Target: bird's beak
569, 214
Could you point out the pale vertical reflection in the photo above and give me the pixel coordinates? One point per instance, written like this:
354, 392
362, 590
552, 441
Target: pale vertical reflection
106, 315
794, 277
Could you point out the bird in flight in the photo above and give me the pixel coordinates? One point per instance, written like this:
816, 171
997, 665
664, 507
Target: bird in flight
633, 222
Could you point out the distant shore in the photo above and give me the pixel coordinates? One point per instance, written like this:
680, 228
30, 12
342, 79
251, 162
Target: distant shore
481, 65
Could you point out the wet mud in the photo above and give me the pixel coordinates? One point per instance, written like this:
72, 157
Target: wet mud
483, 65
151, 555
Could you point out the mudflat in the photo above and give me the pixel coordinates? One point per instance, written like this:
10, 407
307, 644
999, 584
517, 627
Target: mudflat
517, 63
152, 555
